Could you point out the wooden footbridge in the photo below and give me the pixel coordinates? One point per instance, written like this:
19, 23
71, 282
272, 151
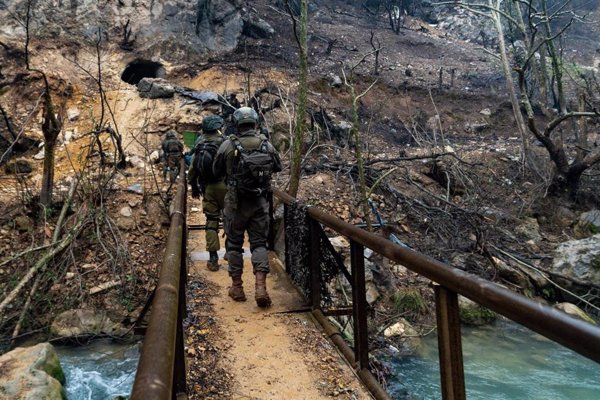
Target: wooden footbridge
310, 261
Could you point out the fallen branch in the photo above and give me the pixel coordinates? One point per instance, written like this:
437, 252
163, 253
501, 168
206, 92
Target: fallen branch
543, 273
17, 329
23, 253
40, 266
424, 157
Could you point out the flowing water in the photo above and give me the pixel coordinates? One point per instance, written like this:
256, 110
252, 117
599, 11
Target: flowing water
502, 362
101, 370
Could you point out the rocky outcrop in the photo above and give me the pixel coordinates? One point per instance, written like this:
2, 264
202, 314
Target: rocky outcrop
82, 322
257, 28
472, 313
588, 224
160, 28
18, 167
579, 259
410, 340
31, 373
574, 311
155, 88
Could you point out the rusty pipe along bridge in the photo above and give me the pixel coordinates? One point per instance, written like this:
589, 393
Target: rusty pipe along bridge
161, 371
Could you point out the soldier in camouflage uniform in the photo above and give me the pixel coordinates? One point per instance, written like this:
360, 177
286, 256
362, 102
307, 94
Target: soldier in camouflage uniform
246, 207
172, 151
204, 183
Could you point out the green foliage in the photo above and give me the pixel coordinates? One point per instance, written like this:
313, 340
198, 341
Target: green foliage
408, 300
549, 293
477, 315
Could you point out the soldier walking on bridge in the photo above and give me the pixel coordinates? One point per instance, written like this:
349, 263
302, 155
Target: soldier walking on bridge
205, 183
248, 161
172, 150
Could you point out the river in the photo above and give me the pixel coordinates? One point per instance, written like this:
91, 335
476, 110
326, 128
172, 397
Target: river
101, 370
504, 361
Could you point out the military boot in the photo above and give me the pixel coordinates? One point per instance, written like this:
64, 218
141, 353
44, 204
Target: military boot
213, 261
260, 290
236, 291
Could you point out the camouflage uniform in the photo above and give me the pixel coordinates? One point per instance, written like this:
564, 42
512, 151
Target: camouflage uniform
245, 213
213, 196
212, 190
172, 150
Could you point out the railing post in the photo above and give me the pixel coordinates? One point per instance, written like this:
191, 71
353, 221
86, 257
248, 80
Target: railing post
315, 268
449, 344
286, 210
359, 305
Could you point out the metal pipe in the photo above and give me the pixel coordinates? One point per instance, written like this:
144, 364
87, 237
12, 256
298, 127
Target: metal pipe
578, 335
155, 373
365, 375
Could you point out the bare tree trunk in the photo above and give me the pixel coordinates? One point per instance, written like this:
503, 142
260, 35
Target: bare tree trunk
538, 67
47, 175
510, 85
51, 128
555, 62
358, 144
300, 128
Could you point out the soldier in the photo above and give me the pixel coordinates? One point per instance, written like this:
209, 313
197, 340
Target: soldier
227, 109
247, 160
205, 183
172, 153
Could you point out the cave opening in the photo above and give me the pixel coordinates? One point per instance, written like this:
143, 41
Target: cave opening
139, 69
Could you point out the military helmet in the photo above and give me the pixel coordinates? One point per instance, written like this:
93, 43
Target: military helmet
245, 115
171, 134
212, 123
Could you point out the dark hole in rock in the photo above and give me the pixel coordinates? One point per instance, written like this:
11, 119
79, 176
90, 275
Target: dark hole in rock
138, 69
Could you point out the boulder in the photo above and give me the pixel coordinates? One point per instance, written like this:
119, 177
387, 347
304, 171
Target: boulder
529, 229
40, 154
23, 223
372, 294
339, 243
154, 157
336, 81
579, 259
403, 330
476, 127
82, 322
472, 313
155, 88
136, 161
32, 373
574, 311
257, 28
18, 167
588, 224
73, 114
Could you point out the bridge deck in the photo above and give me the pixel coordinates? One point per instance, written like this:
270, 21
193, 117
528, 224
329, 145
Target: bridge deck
264, 349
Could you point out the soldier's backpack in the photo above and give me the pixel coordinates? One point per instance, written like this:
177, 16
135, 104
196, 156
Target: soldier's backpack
204, 156
172, 146
252, 168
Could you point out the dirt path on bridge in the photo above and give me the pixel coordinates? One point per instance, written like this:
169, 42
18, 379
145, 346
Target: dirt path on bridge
254, 353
